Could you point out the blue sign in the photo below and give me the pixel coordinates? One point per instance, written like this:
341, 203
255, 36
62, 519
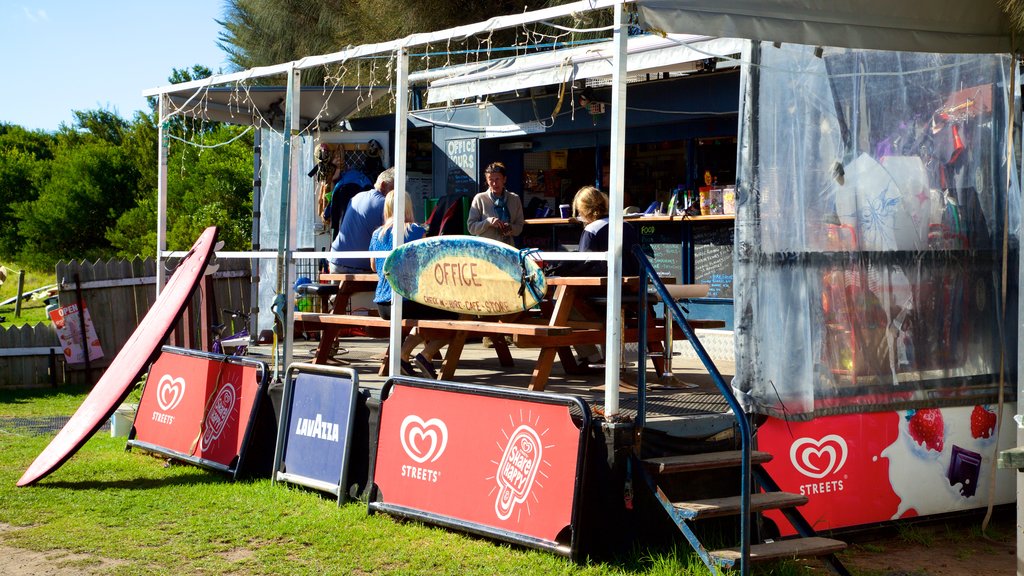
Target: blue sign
316, 427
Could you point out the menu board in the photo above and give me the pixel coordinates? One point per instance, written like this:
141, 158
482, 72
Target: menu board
462, 166
712, 258
663, 241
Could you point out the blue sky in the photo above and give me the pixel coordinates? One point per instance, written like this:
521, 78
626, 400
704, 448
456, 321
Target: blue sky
62, 55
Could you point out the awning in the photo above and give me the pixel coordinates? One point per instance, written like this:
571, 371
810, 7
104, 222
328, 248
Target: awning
255, 105
949, 26
647, 55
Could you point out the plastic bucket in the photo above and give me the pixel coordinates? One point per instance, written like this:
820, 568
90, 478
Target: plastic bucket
122, 419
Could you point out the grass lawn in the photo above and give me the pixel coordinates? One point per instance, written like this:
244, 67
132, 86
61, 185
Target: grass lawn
128, 513
33, 310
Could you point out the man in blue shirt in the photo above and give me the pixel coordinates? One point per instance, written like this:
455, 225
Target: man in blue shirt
365, 214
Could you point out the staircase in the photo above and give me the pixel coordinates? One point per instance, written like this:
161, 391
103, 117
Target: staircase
749, 464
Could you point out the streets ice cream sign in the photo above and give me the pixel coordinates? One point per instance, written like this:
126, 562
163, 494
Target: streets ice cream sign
423, 442
818, 459
169, 392
497, 463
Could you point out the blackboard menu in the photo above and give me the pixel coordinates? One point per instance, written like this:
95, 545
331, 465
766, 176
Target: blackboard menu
663, 239
462, 166
712, 258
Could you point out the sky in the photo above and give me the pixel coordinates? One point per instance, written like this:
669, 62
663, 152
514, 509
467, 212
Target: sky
62, 55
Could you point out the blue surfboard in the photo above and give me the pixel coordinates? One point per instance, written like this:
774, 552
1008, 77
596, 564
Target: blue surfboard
466, 274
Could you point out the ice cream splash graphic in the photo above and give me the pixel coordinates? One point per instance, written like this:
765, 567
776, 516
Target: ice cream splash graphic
517, 470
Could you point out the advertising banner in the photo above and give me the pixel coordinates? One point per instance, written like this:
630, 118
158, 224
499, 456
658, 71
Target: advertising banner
315, 435
503, 466
197, 407
865, 468
68, 323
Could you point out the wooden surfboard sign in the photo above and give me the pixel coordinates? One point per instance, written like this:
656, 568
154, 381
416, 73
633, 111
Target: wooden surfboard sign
465, 274
115, 384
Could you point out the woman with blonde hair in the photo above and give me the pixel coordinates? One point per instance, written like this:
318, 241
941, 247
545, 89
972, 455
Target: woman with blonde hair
382, 239
590, 207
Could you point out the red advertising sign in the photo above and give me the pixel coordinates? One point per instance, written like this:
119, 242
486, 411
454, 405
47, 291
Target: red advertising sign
196, 407
864, 468
502, 463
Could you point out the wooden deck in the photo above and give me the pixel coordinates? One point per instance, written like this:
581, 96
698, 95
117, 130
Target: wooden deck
692, 412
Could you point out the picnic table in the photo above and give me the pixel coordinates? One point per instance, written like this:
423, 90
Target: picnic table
567, 317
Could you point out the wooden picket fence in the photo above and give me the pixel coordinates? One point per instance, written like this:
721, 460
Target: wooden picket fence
117, 295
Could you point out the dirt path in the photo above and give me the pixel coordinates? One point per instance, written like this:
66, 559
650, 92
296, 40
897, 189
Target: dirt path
954, 547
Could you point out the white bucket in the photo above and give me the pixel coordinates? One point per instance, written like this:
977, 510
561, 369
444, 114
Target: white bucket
122, 419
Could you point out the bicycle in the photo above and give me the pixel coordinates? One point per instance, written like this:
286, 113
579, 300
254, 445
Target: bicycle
237, 342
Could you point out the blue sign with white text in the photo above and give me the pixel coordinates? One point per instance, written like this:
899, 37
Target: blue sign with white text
319, 423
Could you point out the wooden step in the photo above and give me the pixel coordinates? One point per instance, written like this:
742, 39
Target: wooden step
730, 506
782, 549
706, 461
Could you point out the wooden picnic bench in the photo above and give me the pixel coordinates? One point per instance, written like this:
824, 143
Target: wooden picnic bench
455, 331
554, 332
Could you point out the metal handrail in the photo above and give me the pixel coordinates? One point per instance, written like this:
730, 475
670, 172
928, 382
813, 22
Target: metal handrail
671, 306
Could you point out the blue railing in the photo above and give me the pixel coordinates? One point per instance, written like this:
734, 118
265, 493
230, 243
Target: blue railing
672, 307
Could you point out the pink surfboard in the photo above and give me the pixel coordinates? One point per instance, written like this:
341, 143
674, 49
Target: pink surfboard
116, 382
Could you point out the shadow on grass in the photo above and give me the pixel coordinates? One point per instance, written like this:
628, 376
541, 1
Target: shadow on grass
195, 477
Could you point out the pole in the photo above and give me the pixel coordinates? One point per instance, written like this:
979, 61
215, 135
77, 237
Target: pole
81, 327
613, 338
398, 229
21, 291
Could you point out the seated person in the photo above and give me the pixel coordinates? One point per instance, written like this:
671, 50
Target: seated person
381, 239
590, 206
365, 213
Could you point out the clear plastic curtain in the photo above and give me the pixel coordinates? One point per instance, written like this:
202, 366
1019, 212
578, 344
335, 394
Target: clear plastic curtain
270, 204
875, 190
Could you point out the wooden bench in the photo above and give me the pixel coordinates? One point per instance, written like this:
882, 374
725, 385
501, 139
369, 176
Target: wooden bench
455, 331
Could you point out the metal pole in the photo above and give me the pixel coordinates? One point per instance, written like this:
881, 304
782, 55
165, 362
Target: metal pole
398, 229
164, 142
613, 337
286, 236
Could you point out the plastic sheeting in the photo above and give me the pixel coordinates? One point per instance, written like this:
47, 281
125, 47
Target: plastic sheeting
948, 26
874, 192
270, 208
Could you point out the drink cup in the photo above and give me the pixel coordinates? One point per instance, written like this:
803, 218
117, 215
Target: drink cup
564, 210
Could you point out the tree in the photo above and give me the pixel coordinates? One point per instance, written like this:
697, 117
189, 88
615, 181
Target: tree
24, 161
266, 32
90, 184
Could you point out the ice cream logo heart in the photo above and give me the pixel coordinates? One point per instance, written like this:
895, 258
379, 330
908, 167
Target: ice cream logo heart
818, 458
421, 440
169, 392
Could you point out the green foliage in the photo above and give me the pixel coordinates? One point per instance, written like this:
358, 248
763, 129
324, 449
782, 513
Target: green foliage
266, 32
211, 186
24, 157
90, 184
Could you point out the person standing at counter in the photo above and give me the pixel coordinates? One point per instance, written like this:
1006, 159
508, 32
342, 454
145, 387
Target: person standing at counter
496, 213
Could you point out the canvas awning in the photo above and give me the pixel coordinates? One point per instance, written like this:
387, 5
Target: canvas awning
248, 105
949, 26
647, 55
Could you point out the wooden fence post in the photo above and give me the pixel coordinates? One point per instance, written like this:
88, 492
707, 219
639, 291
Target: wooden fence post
21, 290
